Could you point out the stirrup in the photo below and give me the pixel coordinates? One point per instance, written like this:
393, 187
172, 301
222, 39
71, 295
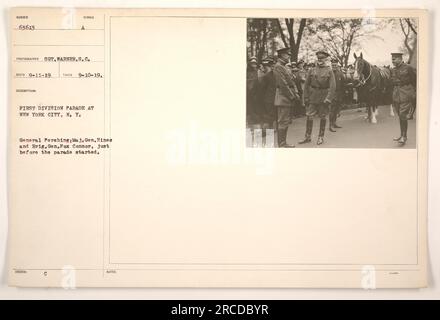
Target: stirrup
397, 139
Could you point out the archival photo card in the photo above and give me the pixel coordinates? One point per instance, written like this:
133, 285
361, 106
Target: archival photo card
332, 82
153, 148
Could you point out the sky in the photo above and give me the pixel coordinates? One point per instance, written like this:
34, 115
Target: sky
378, 51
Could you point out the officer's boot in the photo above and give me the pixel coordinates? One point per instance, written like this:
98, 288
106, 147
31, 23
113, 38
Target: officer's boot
331, 121
321, 131
263, 135
269, 137
309, 127
334, 121
282, 137
403, 139
401, 131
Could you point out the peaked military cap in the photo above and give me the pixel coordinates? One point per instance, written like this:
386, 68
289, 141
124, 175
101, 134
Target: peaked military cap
283, 50
322, 51
268, 60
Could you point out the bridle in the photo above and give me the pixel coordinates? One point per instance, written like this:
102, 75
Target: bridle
363, 81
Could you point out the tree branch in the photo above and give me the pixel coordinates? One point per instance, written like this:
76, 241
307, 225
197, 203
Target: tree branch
302, 24
410, 25
283, 37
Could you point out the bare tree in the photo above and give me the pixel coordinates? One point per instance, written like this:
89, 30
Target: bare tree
283, 37
409, 30
257, 37
338, 36
262, 37
293, 40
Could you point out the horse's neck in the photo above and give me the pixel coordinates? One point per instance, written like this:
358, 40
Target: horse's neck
367, 69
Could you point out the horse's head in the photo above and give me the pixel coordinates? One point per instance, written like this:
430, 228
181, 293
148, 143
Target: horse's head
359, 67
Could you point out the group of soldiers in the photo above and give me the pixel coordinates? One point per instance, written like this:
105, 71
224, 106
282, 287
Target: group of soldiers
281, 89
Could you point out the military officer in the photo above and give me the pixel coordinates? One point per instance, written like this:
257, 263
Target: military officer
335, 107
319, 91
296, 104
251, 92
404, 80
267, 98
285, 95
301, 75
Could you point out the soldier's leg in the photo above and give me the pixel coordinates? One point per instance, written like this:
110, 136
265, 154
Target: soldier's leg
323, 112
411, 111
332, 117
258, 136
404, 128
283, 125
268, 132
403, 132
405, 112
337, 112
311, 111
291, 114
268, 135
400, 127
397, 109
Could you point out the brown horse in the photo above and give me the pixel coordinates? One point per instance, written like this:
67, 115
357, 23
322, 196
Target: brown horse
373, 86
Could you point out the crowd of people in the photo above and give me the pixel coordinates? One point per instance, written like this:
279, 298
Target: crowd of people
279, 90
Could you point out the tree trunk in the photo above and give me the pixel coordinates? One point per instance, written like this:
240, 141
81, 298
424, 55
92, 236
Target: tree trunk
299, 35
262, 50
289, 24
413, 57
283, 37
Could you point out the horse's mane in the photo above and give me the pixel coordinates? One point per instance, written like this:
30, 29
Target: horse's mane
382, 72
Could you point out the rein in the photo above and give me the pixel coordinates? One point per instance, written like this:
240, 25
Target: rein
362, 82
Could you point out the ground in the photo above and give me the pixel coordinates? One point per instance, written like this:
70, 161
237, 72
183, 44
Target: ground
356, 132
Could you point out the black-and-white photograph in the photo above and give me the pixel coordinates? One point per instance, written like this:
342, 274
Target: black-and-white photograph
331, 82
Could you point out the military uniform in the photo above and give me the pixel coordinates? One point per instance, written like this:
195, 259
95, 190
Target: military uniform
296, 109
319, 88
266, 90
337, 101
252, 112
267, 98
319, 91
404, 81
285, 95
